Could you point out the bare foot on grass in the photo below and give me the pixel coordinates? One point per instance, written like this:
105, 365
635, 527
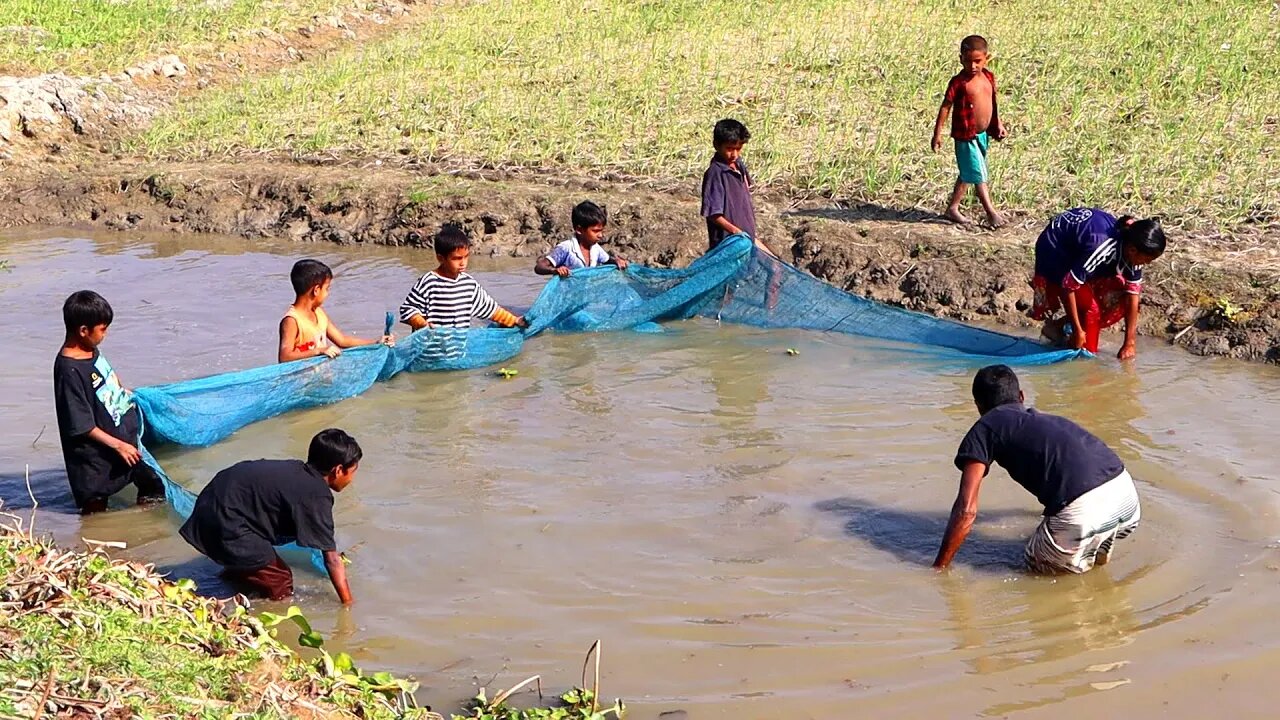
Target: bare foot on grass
953, 214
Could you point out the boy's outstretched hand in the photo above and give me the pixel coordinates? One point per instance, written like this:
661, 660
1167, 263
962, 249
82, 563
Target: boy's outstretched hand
521, 322
388, 340
333, 351
562, 271
622, 264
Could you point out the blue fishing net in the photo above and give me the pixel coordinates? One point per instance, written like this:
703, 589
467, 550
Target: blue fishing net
734, 283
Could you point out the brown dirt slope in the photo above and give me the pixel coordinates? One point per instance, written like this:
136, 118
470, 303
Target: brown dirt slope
1202, 293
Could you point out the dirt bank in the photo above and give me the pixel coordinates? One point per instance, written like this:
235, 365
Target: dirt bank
1200, 293
48, 115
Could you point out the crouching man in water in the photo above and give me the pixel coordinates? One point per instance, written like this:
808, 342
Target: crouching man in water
1089, 499
255, 505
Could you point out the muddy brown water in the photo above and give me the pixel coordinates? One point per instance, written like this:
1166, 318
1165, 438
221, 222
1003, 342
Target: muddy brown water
748, 532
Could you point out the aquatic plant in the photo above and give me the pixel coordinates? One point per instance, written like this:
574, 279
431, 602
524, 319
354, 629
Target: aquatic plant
87, 635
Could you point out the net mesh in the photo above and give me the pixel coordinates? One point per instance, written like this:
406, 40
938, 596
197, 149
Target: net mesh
734, 283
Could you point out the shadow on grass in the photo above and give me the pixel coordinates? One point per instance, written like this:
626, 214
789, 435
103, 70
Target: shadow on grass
913, 537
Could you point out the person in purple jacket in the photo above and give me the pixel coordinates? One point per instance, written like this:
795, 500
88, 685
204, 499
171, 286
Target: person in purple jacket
1089, 264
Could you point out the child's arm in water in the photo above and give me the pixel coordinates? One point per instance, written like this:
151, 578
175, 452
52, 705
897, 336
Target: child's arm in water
544, 266
289, 342
963, 513
1129, 350
338, 574
1073, 317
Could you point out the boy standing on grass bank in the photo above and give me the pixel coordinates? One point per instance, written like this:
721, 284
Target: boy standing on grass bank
448, 297
305, 330
98, 423
726, 187
255, 505
583, 249
971, 94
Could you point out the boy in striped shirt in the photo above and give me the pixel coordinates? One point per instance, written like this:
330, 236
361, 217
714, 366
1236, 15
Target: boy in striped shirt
448, 297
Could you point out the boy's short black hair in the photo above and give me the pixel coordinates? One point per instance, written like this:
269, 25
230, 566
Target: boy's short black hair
586, 214
86, 308
995, 385
1146, 236
973, 42
333, 448
451, 237
307, 274
729, 131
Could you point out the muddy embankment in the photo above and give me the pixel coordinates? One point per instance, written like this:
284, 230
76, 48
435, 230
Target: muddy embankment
1193, 294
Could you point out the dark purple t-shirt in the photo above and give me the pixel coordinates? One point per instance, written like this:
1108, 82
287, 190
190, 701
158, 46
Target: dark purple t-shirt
1052, 457
727, 191
1080, 245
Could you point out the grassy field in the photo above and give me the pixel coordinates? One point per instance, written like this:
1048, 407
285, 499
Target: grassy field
1136, 104
93, 36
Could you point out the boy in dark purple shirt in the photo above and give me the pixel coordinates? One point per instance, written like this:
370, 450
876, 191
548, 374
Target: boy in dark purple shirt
726, 187
1090, 264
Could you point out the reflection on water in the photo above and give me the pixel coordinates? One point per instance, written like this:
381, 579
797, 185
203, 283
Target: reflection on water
749, 531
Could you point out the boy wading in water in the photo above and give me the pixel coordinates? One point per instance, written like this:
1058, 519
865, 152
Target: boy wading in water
583, 249
448, 297
98, 423
971, 101
1088, 497
305, 330
255, 505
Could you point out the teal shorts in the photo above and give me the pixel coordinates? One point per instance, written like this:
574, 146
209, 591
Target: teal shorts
971, 156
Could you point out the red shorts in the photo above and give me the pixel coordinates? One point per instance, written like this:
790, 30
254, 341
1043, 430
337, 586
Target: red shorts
275, 580
1101, 304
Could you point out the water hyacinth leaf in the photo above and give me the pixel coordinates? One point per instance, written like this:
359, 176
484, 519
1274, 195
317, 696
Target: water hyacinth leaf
343, 663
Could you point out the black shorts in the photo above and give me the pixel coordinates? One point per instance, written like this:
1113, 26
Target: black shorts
142, 476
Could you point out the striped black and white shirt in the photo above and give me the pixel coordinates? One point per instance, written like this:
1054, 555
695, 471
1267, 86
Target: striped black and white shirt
448, 303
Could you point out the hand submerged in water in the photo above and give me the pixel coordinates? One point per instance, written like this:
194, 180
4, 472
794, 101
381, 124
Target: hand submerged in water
1128, 351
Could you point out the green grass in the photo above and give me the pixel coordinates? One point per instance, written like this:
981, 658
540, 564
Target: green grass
93, 36
1142, 105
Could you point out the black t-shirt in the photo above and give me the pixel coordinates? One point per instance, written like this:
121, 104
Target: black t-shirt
1052, 457
256, 504
87, 394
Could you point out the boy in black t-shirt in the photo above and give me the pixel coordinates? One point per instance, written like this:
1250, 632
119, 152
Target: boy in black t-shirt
97, 420
255, 505
1088, 497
